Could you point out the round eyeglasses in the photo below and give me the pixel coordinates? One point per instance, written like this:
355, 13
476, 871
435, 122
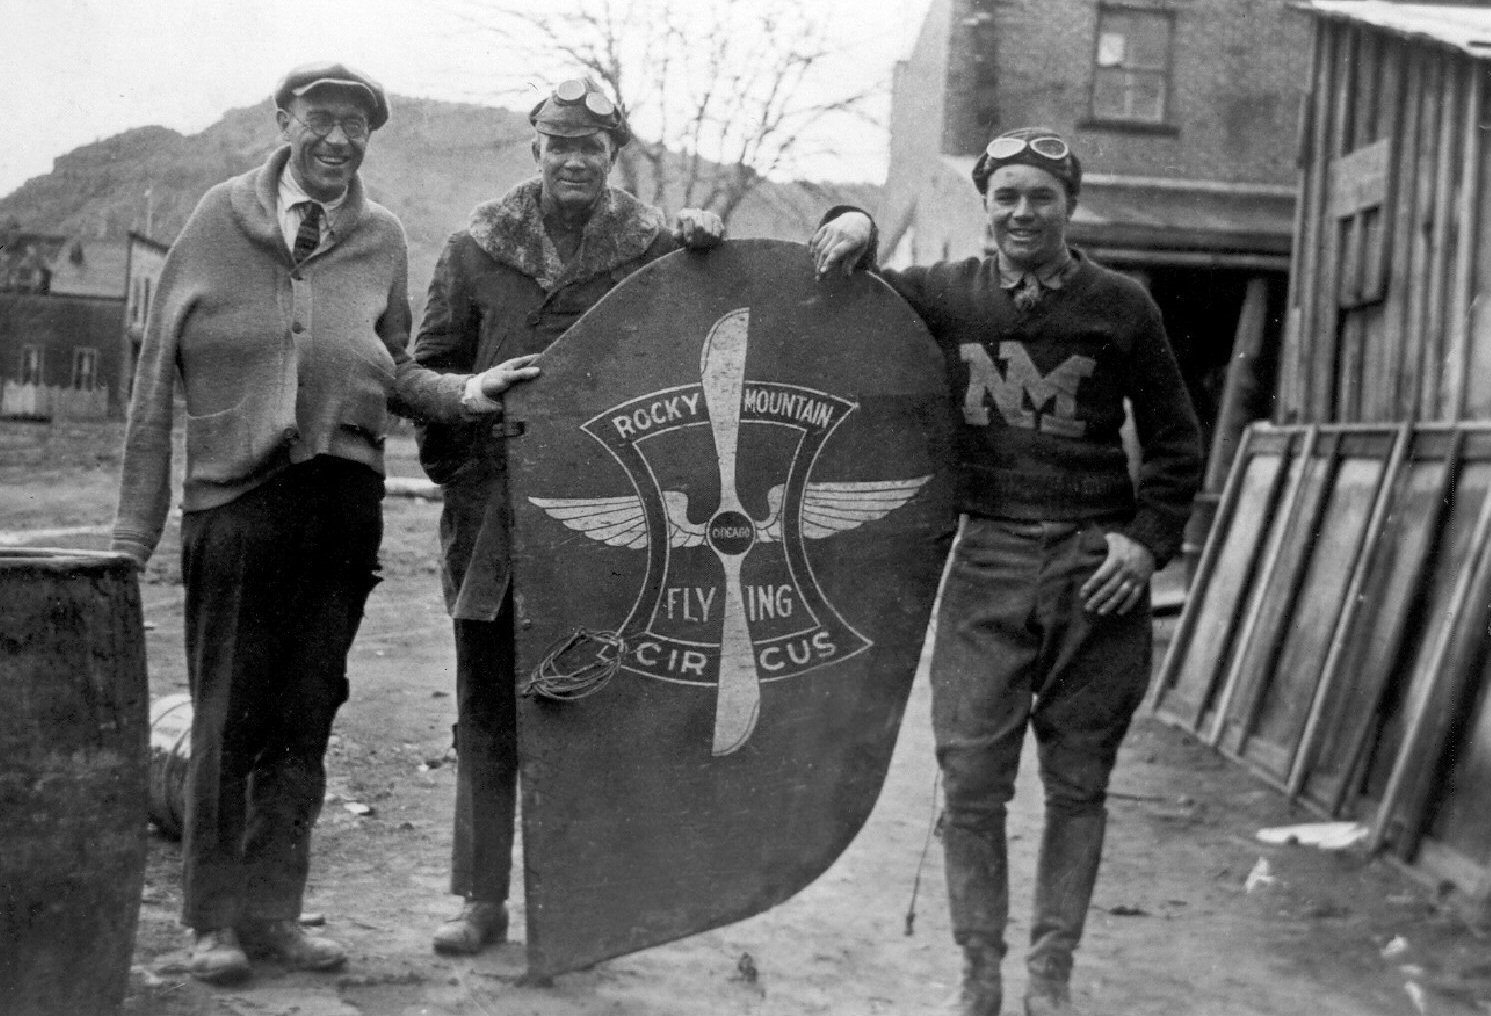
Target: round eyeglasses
1047, 147
322, 124
576, 90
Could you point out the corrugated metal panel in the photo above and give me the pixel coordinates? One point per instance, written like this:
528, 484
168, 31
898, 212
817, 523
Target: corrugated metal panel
1467, 29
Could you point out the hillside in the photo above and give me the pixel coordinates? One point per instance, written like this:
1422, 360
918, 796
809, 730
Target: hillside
433, 162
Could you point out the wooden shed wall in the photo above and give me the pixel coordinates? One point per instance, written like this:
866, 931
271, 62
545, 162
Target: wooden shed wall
1385, 322
1334, 635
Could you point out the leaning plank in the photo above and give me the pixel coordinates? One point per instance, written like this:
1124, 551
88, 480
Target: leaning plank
1351, 602
1398, 580
1244, 381
1462, 632
1269, 733
1413, 767
1193, 667
1457, 828
1279, 597
1256, 601
1196, 596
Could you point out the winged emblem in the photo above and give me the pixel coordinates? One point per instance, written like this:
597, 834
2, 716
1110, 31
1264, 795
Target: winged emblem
828, 508
823, 509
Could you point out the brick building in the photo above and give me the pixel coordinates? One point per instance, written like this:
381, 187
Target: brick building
1185, 115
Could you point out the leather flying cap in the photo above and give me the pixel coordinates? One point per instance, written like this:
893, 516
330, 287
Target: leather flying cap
1040, 147
577, 108
308, 77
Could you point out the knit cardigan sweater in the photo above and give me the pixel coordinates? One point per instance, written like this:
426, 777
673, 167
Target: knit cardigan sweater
278, 363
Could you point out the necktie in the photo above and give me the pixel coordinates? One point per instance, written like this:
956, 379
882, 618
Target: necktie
308, 237
1027, 292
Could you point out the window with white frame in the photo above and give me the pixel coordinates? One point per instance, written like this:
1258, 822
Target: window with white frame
1131, 64
84, 368
31, 365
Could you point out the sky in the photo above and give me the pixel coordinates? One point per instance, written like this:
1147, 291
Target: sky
75, 71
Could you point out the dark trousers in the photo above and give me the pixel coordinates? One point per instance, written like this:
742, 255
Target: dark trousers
486, 757
1015, 648
276, 581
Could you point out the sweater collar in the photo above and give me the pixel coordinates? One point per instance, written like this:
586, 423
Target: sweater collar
511, 230
1052, 275
255, 200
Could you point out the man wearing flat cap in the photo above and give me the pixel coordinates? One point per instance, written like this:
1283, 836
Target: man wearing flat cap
282, 317
509, 283
1044, 619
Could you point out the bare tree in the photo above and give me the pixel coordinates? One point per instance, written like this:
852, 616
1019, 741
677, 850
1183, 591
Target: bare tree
720, 94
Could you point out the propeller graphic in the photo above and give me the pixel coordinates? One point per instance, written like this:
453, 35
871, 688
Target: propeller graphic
821, 509
732, 533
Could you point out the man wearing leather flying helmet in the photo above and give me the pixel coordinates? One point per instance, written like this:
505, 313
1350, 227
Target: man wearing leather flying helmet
1044, 619
524, 268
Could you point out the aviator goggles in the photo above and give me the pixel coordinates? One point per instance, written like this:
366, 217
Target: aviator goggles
576, 91
322, 124
1051, 148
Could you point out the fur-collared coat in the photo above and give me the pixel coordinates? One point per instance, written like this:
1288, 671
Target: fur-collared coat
499, 291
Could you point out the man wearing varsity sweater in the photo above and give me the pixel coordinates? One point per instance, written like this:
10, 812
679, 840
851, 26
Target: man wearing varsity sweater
1044, 620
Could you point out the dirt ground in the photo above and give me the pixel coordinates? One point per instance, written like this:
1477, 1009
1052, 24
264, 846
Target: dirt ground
1174, 928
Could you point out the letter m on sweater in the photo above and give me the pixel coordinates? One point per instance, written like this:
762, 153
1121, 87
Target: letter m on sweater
1025, 397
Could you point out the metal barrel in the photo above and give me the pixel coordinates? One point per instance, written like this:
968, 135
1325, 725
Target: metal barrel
72, 787
170, 752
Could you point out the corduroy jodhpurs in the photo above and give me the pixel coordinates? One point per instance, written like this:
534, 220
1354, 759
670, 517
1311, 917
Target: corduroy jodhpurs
1014, 647
276, 581
486, 757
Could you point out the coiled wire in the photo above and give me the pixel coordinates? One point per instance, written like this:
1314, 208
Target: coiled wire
551, 680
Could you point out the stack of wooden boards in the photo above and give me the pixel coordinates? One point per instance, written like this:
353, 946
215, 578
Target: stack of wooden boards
1335, 636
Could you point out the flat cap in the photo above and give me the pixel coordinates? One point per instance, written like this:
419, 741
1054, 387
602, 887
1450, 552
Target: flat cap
307, 77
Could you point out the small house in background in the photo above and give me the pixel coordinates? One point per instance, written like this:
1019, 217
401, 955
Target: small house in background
1185, 114
72, 314
141, 278
1336, 636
